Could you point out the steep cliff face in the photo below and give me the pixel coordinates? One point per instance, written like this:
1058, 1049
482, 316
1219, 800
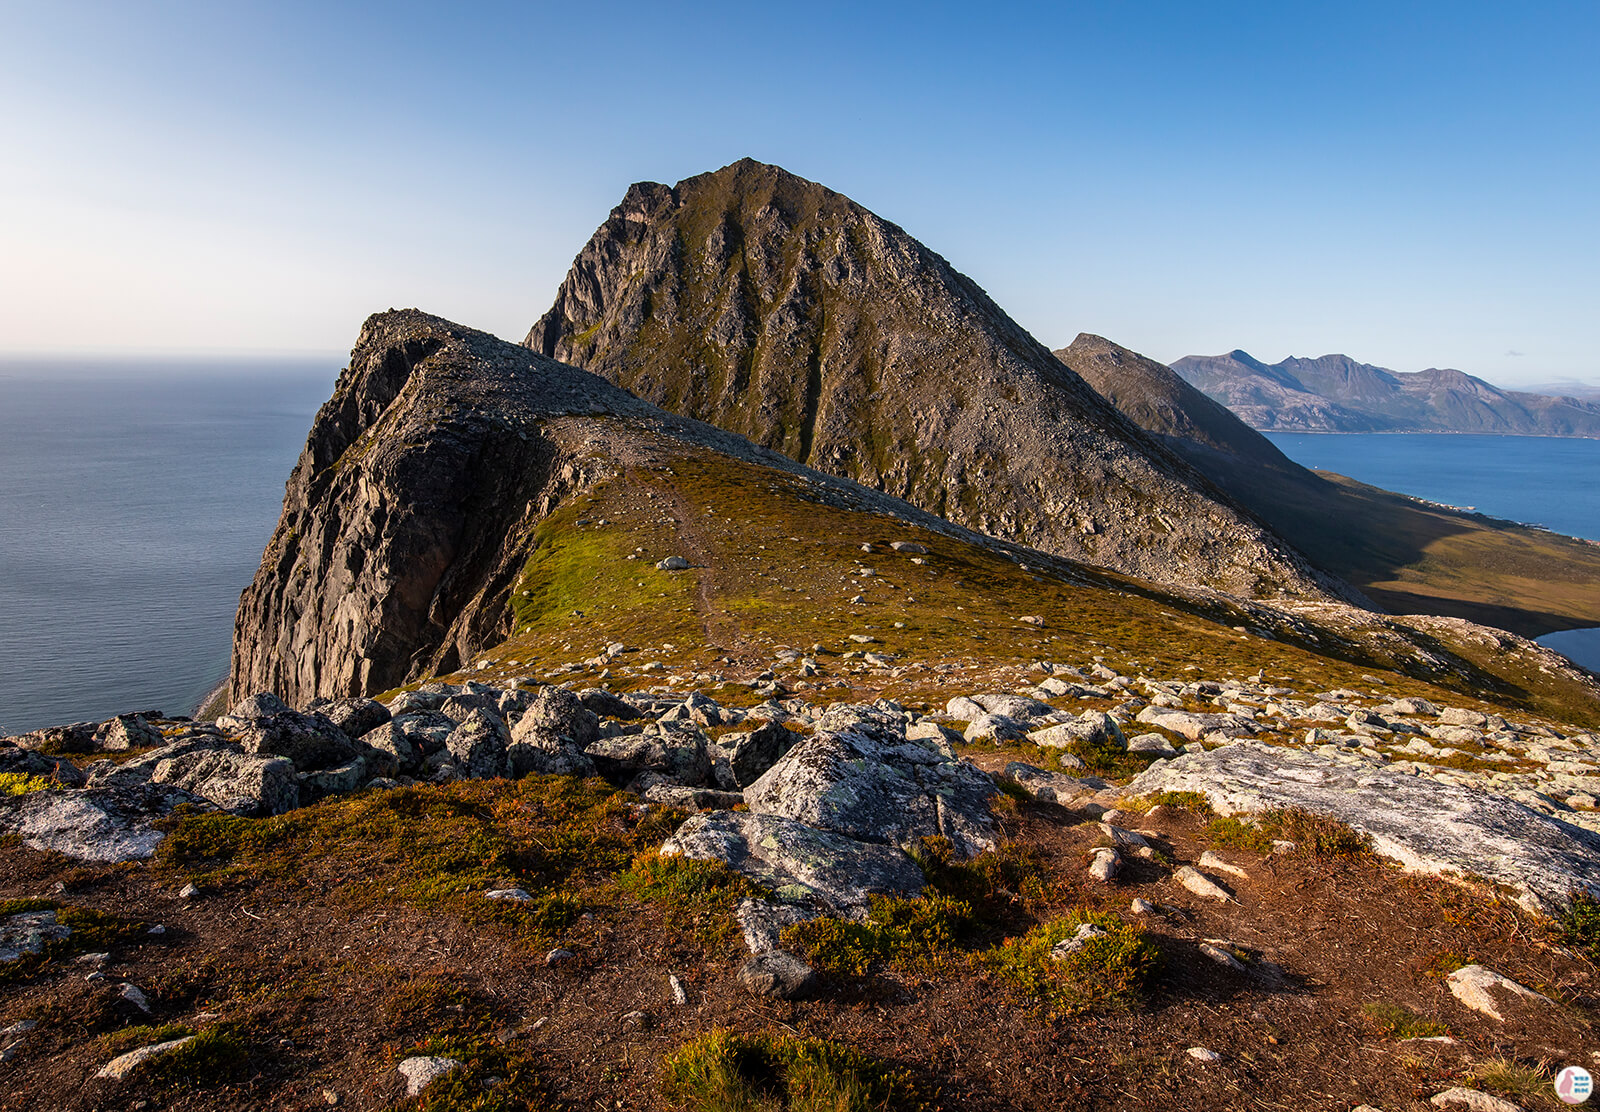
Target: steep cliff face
408, 513
775, 308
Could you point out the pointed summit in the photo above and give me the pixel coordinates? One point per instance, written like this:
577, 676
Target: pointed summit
774, 307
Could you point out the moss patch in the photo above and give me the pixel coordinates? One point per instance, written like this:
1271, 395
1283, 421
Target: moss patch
728, 1072
1104, 975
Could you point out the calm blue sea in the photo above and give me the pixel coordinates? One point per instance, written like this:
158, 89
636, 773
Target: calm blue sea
1539, 480
135, 501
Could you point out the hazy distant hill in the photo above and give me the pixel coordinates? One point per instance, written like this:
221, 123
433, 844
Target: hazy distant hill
1407, 556
1337, 394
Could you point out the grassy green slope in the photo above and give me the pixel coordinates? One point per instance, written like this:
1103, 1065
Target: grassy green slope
778, 563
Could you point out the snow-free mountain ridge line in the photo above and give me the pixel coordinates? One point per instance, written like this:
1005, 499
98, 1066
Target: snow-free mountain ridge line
1335, 393
773, 307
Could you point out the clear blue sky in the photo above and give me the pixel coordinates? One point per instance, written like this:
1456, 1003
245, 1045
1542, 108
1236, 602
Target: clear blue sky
1413, 184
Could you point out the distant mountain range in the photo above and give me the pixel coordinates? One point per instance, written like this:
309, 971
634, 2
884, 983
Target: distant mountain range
1337, 394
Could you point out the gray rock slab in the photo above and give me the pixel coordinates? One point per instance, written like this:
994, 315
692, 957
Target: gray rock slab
797, 861
94, 824
1426, 825
871, 784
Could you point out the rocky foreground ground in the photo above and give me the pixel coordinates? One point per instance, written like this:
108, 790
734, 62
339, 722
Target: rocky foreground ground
1145, 892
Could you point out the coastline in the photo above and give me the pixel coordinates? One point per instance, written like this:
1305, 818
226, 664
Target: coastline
216, 693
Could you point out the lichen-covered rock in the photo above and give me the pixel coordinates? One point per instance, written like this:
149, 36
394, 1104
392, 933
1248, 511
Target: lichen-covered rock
28, 932
749, 756
25, 762
798, 862
1199, 727
996, 728
546, 753
128, 731
95, 824
390, 738
354, 716
1425, 824
479, 745
311, 741
75, 737
865, 780
236, 782
1095, 728
777, 974
679, 755
560, 711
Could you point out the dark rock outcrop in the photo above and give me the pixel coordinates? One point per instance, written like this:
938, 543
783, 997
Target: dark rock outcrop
775, 308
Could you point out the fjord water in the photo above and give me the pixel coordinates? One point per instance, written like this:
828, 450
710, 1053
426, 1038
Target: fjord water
135, 501
1538, 480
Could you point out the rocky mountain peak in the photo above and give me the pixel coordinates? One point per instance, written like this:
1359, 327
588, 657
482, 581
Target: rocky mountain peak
778, 309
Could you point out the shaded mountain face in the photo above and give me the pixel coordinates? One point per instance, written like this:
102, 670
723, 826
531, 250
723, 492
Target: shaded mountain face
1406, 555
412, 509
1337, 394
1155, 398
774, 308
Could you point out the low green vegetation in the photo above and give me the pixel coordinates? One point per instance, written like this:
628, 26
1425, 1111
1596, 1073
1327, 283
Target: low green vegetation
698, 895
1401, 1022
91, 931
437, 847
727, 1072
491, 1078
19, 783
1104, 974
1312, 835
1579, 924
214, 1056
916, 934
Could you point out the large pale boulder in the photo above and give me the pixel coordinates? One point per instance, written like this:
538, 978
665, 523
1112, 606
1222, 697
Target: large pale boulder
94, 824
236, 782
1427, 825
798, 862
864, 779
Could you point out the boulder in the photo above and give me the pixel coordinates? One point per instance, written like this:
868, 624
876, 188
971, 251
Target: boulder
236, 782
607, 705
95, 824
1014, 706
354, 716
78, 737
1200, 727
996, 728
546, 753
798, 862
458, 708
1427, 825
559, 711
479, 745
1092, 728
128, 731
679, 755
1152, 745
1052, 787
390, 738
428, 730
749, 756
311, 741
261, 705
421, 1071
866, 781
26, 762
777, 974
